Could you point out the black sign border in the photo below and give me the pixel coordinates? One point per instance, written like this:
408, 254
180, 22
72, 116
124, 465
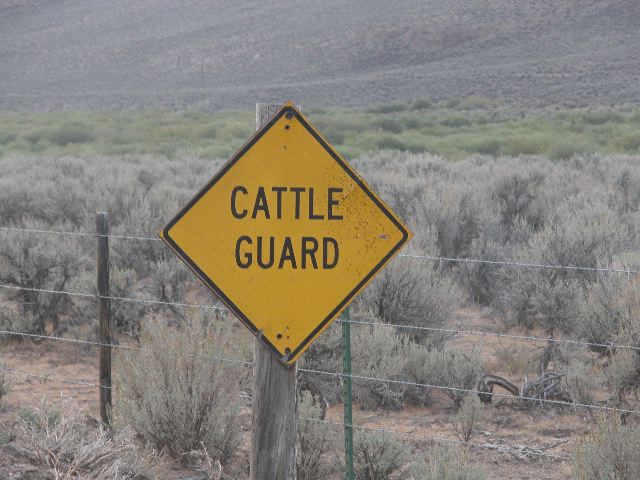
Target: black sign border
287, 109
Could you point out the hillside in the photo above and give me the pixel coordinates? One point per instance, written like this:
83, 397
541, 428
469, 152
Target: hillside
208, 55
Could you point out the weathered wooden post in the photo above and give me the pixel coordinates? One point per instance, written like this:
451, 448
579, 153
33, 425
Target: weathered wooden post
286, 234
104, 314
274, 421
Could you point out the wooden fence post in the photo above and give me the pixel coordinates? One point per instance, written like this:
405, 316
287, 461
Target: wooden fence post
104, 314
274, 415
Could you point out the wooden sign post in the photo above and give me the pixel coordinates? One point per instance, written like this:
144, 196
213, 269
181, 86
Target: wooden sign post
286, 234
273, 408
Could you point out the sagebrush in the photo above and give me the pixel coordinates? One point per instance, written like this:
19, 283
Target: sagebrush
175, 395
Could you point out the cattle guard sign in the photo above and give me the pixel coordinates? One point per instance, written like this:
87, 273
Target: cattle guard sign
286, 234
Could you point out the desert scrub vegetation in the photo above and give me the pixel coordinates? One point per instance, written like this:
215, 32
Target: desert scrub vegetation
379, 456
63, 444
468, 419
175, 396
383, 353
446, 463
583, 211
454, 128
316, 455
610, 451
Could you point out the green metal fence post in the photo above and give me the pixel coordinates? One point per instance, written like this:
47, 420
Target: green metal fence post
348, 413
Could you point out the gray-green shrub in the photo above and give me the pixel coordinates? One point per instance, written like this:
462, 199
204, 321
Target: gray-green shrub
411, 292
70, 133
454, 369
317, 443
581, 382
31, 263
325, 354
175, 395
4, 386
447, 463
379, 456
469, 418
609, 452
447, 366
377, 353
610, 303
63, 444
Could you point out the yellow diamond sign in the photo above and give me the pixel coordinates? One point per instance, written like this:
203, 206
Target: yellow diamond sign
286, 234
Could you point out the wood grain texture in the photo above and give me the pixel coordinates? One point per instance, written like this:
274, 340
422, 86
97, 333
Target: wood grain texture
274, 415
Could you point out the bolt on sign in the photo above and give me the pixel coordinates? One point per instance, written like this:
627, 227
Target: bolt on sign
286, 234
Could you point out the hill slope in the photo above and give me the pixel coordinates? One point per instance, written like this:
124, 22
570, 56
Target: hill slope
210, 54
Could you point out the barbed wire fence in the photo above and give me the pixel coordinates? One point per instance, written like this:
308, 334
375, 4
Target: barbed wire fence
518, 452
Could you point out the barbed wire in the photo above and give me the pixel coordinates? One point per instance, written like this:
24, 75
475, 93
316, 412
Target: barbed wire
456, 331
115, 345
467, 390
519, 264
112, 297
321, 372
352, 376
510, 263
12, 371
531, 450
337, 374
86, 383
80, 234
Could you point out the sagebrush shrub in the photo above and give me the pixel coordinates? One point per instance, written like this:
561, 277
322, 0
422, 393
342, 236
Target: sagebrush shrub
447, 463
377, 352
469, 418
379, 456
62, 444
70, 133
34, 262
448, 367
518, 198
550, 298
413, 293
317, 443
623, 372
581, 382
609, 452
582, 211
175, 395
325, 354
417, 368
610, 303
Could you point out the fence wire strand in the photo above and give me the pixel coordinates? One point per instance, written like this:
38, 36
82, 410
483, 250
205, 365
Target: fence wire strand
342, 375
357, 322
115, 345
455, 331
85, 383
79, 234
112, 297
510, 263
532, 338
467, 390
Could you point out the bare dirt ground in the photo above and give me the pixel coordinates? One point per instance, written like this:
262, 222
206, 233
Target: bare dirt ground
507, 447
